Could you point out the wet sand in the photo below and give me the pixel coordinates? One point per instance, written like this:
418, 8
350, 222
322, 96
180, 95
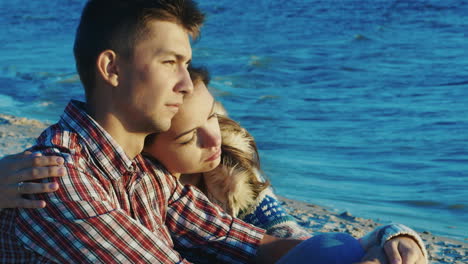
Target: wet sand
17, 133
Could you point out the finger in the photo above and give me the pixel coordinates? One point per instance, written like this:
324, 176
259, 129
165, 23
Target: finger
408, 254
20, 155
368, 262
32, 188
375, 254
391, 250
23, 162
38, 173
25, 203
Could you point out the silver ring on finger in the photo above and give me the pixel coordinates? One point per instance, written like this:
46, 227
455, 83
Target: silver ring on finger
20, 187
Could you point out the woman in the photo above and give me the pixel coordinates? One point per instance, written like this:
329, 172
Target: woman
235, 184
208, 150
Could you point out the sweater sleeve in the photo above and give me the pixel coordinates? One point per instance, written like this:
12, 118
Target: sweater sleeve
382, 234
268, 213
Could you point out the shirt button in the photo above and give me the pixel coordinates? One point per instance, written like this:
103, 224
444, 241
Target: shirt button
132, 168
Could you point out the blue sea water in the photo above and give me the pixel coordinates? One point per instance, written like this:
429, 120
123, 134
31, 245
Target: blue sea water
356, 105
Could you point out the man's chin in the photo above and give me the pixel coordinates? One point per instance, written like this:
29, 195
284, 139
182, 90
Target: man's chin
161, 125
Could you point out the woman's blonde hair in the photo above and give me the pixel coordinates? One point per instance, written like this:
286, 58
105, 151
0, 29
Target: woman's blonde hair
237, 181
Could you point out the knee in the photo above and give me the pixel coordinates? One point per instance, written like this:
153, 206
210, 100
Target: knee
328, 248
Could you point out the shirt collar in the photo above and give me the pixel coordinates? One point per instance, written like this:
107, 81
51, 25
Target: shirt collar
102, 146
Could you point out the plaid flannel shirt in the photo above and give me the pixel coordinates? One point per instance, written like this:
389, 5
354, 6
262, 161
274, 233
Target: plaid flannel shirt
110, 209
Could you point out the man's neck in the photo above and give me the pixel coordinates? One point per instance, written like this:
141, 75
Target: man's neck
131, 142
193, 179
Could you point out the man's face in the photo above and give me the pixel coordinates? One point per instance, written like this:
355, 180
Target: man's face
153, 83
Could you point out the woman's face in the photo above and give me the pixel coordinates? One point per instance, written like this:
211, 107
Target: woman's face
193, 143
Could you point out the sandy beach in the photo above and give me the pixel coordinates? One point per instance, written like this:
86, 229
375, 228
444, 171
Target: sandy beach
17, 133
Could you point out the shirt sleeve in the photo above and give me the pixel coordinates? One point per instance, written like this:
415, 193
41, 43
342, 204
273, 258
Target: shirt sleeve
79, 225
194, 222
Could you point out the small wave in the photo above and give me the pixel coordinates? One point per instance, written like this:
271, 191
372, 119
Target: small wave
257, 117
422, 6
311, 68
458, 207
457, 161
351, 69
421, 203
320, 99
359, 37
259, 62
40, 76
268, 97
454, 83
445, 123
7, 101
312, 119
45, 104
434, 204
438, 7
39, 18
73, 79
409, 165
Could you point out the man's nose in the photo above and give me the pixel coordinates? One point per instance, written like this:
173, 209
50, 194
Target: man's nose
185, 84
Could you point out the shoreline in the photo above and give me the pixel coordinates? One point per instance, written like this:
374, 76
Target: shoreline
318, 219
17, 134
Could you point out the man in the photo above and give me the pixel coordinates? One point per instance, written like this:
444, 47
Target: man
112, 205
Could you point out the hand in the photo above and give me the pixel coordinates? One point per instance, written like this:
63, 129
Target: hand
26, 166
375, 255
398, 250
404, 250
375, 261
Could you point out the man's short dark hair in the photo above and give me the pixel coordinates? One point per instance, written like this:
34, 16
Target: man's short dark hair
119, 25
199, 74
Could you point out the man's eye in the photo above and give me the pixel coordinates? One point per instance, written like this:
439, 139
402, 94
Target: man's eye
170, 62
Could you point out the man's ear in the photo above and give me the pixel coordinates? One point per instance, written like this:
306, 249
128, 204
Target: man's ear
107, 67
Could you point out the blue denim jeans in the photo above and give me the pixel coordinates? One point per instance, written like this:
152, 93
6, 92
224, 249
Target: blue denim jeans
328, 248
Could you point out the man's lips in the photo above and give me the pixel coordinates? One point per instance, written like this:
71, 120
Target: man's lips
215, 155
174, 107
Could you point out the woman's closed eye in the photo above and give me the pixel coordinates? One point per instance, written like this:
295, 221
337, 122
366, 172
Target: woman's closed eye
192, 139
194, 133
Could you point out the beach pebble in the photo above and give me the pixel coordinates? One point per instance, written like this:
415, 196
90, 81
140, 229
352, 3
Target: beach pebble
3, 121
346, 214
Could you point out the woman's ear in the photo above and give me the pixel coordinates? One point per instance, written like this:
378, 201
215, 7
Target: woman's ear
107, 67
